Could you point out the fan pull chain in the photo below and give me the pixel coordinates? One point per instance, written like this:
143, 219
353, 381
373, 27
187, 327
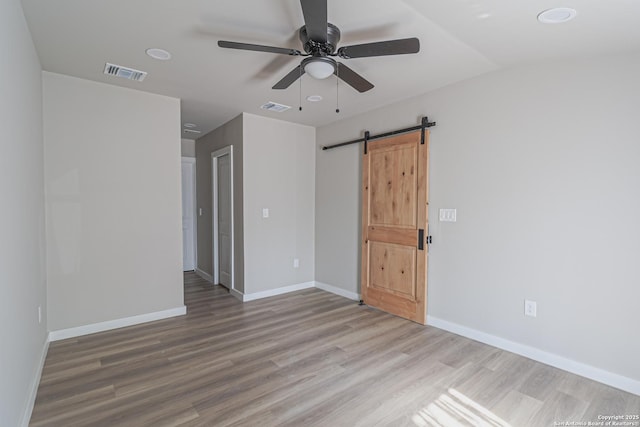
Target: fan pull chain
300, 91
337, 81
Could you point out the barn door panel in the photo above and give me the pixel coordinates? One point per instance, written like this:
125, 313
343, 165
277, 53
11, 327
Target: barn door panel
394, 220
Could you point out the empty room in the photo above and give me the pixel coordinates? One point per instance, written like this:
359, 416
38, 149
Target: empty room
318, 213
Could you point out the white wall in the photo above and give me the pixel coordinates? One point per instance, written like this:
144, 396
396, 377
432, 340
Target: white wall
22, 241
188, 147
112, 174
543, 166
279, 165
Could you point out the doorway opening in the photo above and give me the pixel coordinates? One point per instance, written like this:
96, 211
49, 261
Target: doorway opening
223, 235
189, 223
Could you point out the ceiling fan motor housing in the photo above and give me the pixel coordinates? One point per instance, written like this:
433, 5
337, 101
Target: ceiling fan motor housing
319, 48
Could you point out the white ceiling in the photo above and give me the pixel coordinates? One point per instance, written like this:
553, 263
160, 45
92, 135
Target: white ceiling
459, 39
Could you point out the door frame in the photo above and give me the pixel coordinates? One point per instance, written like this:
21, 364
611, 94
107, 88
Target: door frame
228, 150
194, 219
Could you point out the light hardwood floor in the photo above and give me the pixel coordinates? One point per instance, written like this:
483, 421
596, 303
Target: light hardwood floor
308, 358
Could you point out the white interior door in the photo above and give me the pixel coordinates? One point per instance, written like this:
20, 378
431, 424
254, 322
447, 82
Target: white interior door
224, 219
188, 214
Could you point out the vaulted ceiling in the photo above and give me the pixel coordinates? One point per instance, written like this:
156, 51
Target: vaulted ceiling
459, 39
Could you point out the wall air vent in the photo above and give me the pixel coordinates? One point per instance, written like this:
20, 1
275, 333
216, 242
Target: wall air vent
124, 72
274, 106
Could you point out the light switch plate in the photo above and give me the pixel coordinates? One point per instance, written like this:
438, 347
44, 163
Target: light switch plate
265, 213
447, 215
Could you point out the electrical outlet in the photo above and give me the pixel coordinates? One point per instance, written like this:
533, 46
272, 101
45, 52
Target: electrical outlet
296, 263
530, 308
39, 314
265, 212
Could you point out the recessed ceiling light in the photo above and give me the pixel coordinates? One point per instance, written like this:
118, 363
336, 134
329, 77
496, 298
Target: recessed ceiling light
160, 54
190, 125
557, 15
314, 98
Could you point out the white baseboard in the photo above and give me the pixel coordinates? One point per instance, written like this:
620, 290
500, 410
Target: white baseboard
292, 288
277, 291
115, 324
33, 387
206, 276
338, 291
587, 371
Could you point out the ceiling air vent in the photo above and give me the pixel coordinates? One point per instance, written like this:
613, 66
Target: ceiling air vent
274, 106
124, 72
191, 131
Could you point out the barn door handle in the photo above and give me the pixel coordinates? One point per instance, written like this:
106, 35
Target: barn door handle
422, 239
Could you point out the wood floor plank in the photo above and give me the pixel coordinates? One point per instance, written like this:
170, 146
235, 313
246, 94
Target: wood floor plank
308, 358
560, 407
519, 408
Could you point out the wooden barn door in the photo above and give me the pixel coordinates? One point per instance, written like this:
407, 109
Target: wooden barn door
394, 225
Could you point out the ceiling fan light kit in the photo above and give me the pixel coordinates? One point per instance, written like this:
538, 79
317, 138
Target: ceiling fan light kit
319, 68
320, 43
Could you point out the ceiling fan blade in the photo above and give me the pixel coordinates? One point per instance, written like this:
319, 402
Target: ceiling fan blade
289, 78
315, 19
389, 47
259, 48
352, 78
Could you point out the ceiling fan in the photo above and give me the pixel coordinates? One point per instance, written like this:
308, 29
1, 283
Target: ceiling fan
320, 43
